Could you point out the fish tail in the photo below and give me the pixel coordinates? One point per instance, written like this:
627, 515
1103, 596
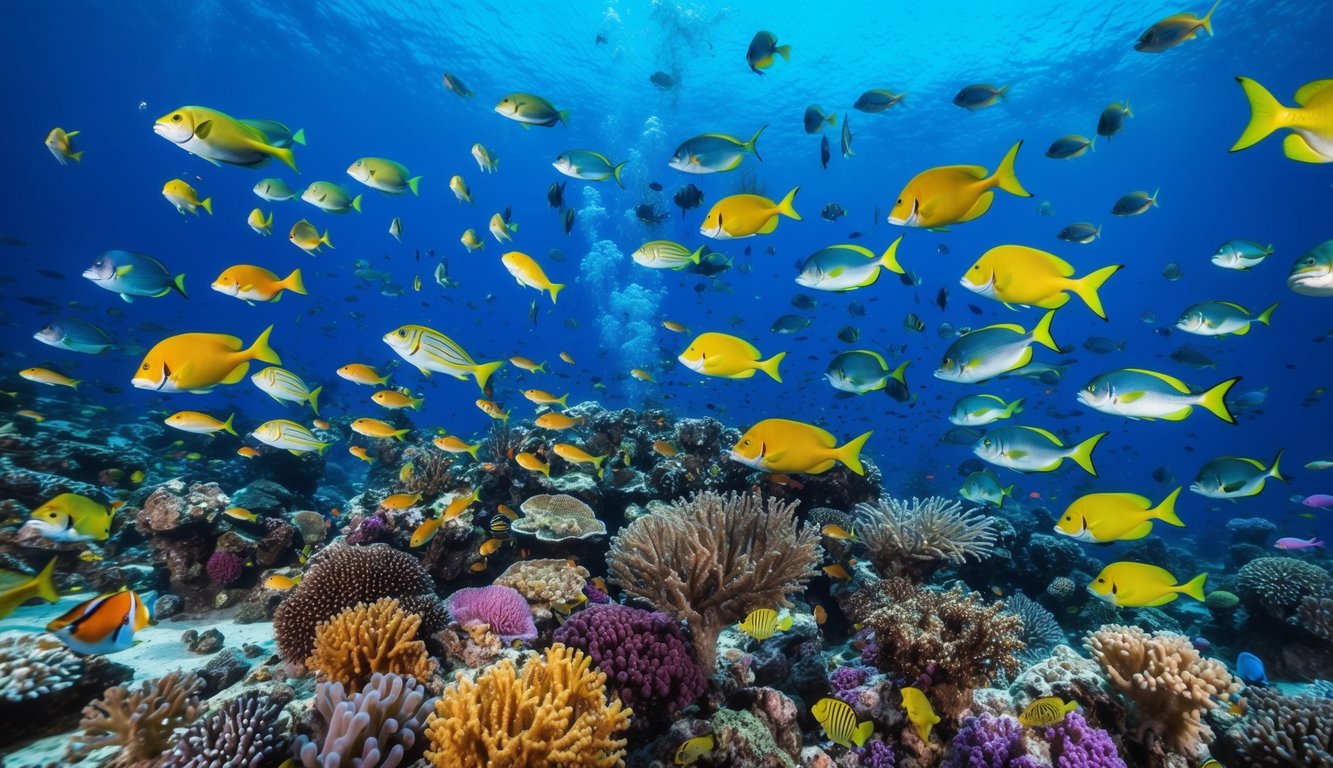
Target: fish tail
615, 173
1082, 453
356, 203
694, 257
77, 156
1042, 333
555, 289
285, 155
299, 136
413, 184
295, 282
784, 51
1215, 400
1005, 493
1128, 113
1207, 21
1005, 177
540, 367
1267, 315
850, 454
1087, 287
1002, 93
900, 373
260, 350
832, 119
1166, 511
890, 258
785, 623
770, 366
45, 582
324, 238
314, 399
563, 116
482, 373
1273, 471
207, 205
320, 448
1015, 407
752, 144
862, 733
269, 224
472, 451
785, 207
178, 283
1092, 144
1194, 587
1266, 114
563, 400
226, 425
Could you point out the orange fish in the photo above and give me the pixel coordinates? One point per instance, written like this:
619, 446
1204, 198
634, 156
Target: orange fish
400, 500
821, 615
837, 572
557, 422
104, 624
452, 444
246, 452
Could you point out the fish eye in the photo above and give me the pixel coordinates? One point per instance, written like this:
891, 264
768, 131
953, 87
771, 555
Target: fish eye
402, 333
1092, 387
986, 441
176, 118
1100, 580
900, 201
145, 367
746, 442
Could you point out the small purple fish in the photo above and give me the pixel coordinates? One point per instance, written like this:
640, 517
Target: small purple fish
1291, 543
1318, 501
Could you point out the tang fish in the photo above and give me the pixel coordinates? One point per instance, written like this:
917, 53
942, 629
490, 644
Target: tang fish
529, 109
1030, 449
980, 410
847, 267
1099, 518
1174, 30
71, 518
331, 198
527, 272
760, 53
1016, 274
1219, 318
1141, 394
250, 283
588, 165
713, 153
61, 146
385, 175
305, 236
862, 370
988, 352
983, 487
1233, 477
953, 194
75, 335
720, 354
134, 274
220, 138
763, 623
197, 362
878, 100
1139, 585
788, 447
274, 190
1046, 711
919, 711
746, 215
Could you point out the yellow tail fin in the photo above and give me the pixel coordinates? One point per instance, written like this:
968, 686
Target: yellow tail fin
1266, 114
1006, 178
784, 51
1042, 333
1194, 587
556, 288
1207, 21
356, 203
45, 581
1082, 454
1166, 511
1273, 471
785, 207
1215, 400
414, 185
615, 172
890, 258
482, 373
1267, 315
862, 733
770, 366
324, 238
314, 399
226, 425
1087, 286
207, 205
750, 145
260, 350
850, 454
295, 282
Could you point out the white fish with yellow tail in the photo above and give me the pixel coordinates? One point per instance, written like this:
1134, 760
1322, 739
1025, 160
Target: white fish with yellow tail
1031, 449
185, 198
284, 386
134, 274
1220, 318
460, 190
588, 165
847, 267
500, 229
289, 436
988, 352
384, 175
1234, 477
432, 351
527, 272
1141, 394
486, 160
666, 254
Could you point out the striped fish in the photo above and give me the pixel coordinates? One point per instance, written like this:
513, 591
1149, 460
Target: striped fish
763, 623
288, 435
1048, 710
104, 624
839, 723
281, 384
432, 351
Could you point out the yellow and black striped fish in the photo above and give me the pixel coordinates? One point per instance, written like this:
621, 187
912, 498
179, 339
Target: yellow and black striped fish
839, 723
499, 526
763, 623
1046, 711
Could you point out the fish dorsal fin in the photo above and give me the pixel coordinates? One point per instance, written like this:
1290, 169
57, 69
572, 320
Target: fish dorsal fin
203, 129
1175, 383
1011, 327
878, 357
1046, 434
1235, 306
1307, 91
1252, 462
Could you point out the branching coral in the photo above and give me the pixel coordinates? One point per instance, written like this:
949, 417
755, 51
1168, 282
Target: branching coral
139, 721
342, 576
1170, 684
987, 740
913, 539
33, 666
1280, 731
556, 714
249, 732
952, 638
375, 728
712, 559
365, 639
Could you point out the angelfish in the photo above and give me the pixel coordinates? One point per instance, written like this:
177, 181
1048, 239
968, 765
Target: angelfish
104, 624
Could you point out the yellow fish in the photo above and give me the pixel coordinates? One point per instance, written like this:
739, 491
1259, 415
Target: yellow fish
568, 358
1048, 710
835, 531
1016, 274
491, 546
1099, 518
486, 161
105, 624
451, 444
664, 449
429, 350
197, 362
674, 327
576, 455
763, 623
376, 428
642, 375
49, 377
518, 361
1310, 122
281, 583
358, 373
738, 216
1138, 585
246, 452
953, 194
305, 236
1174, 30
530, 462
470, 240
359, 451
557, 422
395, 400
19, 588
460, 189
384, 175
62, 149
542, 397
425, 532
721, 354
220, 138
919, 711
199, 423
500, 229
690, 750
492, 409
782, 445
259, 224
839, 723
284, 386
240, 513
183, 196
400, 500
528, 272
250, 283
289, 436
71, 518
406, 472
459, 503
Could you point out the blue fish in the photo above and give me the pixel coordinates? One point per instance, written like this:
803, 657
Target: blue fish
1250, 669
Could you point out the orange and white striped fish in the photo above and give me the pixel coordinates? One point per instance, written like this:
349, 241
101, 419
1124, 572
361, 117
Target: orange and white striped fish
104, 624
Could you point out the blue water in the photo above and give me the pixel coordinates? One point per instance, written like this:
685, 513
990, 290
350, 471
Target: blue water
364, 79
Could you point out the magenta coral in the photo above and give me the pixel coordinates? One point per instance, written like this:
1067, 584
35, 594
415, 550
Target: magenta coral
223, 567
1076, 744
501, 608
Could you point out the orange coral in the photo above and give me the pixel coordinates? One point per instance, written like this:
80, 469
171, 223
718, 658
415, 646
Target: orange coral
555, 714
365, 639
138, 720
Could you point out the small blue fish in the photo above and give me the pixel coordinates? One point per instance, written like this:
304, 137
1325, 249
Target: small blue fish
1250, 669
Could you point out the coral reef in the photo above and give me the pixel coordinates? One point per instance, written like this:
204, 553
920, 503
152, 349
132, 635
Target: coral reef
543, 582
501, 609
43, 683
224, 568
712, 559
1275, 586
341, 576
376, 727
1076, 744
557, 518
1041, 630
556, 713
365, 639
914, 538
987, 740
1280, 731
138, 721
250, 731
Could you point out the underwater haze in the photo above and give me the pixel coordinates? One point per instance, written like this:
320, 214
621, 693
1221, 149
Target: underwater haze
1174, 422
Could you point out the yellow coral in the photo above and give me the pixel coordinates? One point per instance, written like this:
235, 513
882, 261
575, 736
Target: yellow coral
555, 715
365, 639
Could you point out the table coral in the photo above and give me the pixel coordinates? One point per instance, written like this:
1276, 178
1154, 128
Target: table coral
369, 638
556, 517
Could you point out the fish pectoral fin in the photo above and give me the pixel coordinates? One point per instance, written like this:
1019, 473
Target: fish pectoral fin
125, 270
237, 373
1130, 397
1295, 147
203, 129
1179, 415
1233, 487
1016, 453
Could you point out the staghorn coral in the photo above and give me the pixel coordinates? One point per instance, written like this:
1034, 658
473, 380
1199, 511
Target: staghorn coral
951, 638
249, 732
370, 638
1041, 630
139, 720
913, 539
546, 581
556, 713
556, 517
342, 576
374, 728
1170, 684
1292, 731
712, 559
1275, 586
502, 609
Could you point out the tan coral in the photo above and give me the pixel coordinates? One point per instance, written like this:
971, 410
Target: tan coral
546, 581
1170, 684
914, 538
556, 517
365, 639
555, 714
139, 721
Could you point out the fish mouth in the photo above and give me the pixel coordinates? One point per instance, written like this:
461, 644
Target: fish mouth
694, 365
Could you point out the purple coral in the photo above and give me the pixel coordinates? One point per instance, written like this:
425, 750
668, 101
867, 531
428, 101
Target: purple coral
987, 741
223, 567
1075, 744
875, 754
501, 608
644, 655
844, 681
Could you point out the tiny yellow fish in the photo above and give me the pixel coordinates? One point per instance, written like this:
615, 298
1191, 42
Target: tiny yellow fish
20, 588
919, 711
183, 196
492, 409
839, 722
557, 422
260, 224
820, 615
642, 375
542, 397
359, 451
674, 327
452, 444
690, 750
835, 531
362, 374
568, 358
837, 572
198, 423
763, 623
376, 428
49, 377
532, 463
491, 546
280, 583
305, 236
425, 532
664, 448
395, 400
576, 455
246, 452
406, 472
319, 424
29, 413
459, 504
518, 361
527, 272
240, 513
62, 149
1047, 710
